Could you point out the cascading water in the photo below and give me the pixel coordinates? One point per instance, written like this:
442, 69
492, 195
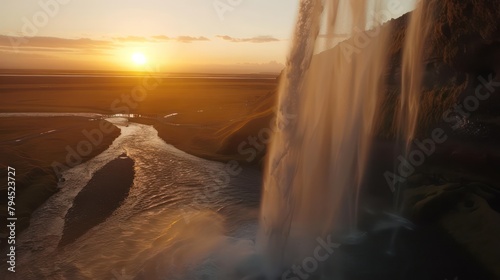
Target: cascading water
412, 69
411, 78
327, 110
316, 162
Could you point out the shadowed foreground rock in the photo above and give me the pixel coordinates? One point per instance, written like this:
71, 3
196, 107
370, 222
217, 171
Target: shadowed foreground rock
104, 193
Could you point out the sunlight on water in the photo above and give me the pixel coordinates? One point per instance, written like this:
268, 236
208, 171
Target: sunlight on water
174, 224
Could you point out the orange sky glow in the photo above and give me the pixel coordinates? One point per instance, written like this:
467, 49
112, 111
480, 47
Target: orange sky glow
218, 36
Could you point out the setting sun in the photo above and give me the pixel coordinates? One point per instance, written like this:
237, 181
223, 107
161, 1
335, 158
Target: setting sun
139, 58
257, 140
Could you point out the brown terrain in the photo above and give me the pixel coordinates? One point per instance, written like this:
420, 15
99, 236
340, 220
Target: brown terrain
454, 193
202, 113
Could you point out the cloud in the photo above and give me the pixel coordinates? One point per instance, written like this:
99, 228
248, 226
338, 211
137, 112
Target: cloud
42, 43
258, 39
127, 39
6, 55
189, 39
160, 38
53, 42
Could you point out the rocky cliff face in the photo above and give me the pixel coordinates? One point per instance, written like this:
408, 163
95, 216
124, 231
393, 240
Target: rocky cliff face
463, 52
463, 47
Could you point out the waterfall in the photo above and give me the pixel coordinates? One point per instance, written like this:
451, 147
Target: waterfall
327, 110
411, 78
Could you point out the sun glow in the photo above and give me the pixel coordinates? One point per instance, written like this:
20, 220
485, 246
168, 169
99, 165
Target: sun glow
139, 58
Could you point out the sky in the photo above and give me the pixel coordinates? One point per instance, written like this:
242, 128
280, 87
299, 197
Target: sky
247, 36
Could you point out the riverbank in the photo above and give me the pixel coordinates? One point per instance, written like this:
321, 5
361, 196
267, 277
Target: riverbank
32, 145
